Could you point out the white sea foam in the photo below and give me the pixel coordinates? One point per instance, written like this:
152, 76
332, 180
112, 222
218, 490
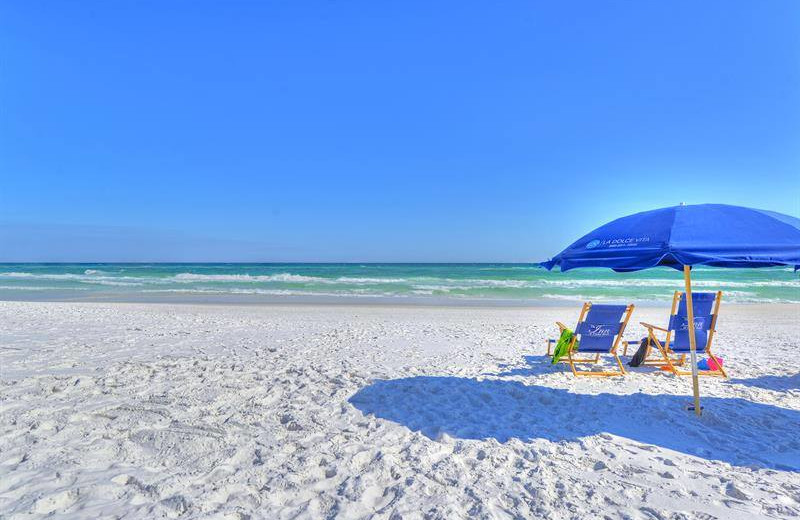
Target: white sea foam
493, 283
280, 277
577, 297
438, 288
264, 292
283, 277
91, 278
92, 275
115, 283
37, 288
557, 286
14, 274
359, 280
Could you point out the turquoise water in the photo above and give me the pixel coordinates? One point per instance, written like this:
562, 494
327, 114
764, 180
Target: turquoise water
404, 282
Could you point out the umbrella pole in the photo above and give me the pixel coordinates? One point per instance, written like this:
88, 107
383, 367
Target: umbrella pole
687, 277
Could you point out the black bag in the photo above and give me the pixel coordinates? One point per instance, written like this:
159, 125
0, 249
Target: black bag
638, 358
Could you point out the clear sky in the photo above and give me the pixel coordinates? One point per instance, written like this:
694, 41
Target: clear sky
382, 131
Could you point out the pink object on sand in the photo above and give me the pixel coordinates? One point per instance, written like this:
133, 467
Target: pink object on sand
712, 365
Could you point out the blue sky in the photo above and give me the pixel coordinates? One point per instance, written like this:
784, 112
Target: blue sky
377, 131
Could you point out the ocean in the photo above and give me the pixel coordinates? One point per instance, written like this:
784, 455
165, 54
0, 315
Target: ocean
363, 283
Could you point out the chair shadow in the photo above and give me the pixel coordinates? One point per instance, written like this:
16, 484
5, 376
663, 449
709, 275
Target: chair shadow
539, 365
779, 383
732, 430
536, 365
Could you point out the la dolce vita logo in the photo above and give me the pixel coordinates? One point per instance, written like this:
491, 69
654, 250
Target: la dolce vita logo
617, 242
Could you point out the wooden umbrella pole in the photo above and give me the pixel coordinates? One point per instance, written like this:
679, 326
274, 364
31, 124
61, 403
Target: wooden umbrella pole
687, 277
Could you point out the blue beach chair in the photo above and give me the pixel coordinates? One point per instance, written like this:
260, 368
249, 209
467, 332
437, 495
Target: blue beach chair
599, 331
676, 344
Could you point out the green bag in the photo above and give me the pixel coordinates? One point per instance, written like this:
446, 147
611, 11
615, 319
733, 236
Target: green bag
563, 345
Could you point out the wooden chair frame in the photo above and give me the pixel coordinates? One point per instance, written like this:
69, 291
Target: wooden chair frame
659, 360
671, 359
613, 350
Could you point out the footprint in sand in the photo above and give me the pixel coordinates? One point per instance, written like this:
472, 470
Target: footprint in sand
377, 498
59, 502
734, 492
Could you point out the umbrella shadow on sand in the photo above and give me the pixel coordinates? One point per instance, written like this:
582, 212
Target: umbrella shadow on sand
778, 383
732, 430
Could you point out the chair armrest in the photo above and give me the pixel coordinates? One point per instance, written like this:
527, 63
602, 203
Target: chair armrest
561, 326
651, 327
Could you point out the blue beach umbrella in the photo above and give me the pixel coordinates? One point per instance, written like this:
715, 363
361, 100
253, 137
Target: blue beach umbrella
682, 236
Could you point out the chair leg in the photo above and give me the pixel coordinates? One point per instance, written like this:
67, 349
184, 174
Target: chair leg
604, 373
625, 345
572, 363
674, 364
672, 368
712, 373
619, 362
664, 354
719, 365
648, 359
588, 360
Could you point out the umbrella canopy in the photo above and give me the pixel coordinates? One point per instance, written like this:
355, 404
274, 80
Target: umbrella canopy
704, 234
682, 236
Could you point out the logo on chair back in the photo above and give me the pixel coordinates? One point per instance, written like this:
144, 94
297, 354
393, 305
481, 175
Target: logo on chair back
699, 324
592, 244
598, 331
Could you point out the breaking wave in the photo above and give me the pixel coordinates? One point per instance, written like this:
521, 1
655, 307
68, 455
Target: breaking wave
457, 281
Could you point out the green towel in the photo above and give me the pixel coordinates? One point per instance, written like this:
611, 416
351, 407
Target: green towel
563, 345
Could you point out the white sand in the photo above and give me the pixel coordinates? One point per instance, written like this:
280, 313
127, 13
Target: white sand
141, 411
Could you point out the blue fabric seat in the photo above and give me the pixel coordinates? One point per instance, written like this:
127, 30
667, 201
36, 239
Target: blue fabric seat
703, 305
599, 331
676, 340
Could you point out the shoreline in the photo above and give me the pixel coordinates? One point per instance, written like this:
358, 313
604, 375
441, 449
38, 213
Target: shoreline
352, 301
